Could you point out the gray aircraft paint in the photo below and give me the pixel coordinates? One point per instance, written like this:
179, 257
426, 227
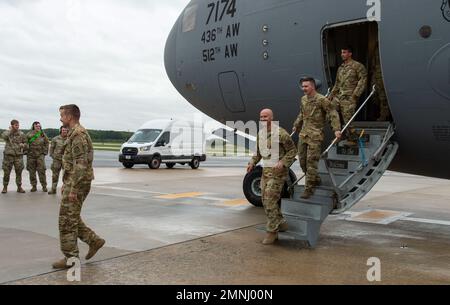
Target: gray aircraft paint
416, 70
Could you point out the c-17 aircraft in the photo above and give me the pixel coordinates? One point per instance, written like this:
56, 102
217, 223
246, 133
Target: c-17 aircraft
232, 58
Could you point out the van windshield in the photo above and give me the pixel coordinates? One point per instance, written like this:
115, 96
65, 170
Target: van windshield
145, 135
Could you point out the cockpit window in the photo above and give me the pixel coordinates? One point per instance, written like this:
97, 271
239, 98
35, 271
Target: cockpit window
145, 136
189, 18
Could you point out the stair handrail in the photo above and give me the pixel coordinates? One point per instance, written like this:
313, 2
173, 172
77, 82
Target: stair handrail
351, 120
336, 139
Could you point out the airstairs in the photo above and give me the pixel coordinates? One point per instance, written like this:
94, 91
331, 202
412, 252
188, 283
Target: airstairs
347, 172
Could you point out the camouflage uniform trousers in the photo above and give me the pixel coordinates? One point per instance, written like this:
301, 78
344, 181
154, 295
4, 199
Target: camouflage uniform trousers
71, 227
56, 170
9, 162
272, 183
346, 107
37, 164
309, 156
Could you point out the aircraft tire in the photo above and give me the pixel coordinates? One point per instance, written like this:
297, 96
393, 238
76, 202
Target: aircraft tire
252, 188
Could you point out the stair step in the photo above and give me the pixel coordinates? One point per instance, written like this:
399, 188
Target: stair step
371, 125
322, 191
314, 200
314, 211
297, 225
292, 236
303, 228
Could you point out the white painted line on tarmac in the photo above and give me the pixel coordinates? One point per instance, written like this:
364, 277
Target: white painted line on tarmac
390, 218
429, 221
129, 190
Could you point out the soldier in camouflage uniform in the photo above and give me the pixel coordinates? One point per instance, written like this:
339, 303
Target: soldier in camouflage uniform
277, 150
377, 81
351, 81
56, 153
78, 175
315, 109
38, 149
15, 147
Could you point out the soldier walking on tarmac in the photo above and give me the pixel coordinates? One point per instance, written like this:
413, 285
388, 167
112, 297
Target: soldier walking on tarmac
78, 175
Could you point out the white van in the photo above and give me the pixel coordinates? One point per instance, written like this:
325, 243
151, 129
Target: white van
165, 141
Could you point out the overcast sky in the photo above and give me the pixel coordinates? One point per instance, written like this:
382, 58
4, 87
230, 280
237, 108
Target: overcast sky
107, 56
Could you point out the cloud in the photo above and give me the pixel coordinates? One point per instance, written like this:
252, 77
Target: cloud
104, 55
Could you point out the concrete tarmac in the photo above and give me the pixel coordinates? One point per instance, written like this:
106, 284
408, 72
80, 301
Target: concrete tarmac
185, 226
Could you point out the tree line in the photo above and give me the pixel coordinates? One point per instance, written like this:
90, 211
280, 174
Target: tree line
98, 136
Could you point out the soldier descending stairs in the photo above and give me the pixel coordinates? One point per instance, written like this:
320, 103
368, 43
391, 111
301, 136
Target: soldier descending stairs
347, 174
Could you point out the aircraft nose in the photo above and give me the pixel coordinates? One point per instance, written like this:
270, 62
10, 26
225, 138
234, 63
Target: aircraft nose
170, 55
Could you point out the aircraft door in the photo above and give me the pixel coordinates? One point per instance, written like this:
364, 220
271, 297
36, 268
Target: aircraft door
231, 91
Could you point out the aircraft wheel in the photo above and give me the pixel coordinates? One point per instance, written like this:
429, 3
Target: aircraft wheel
252, 187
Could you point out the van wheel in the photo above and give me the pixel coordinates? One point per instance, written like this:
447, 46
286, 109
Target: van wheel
195, 163
170, 165
155, 163
128, 165
252, 187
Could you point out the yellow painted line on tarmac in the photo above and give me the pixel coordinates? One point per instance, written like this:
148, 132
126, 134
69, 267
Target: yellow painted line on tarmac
181, 195
235, 202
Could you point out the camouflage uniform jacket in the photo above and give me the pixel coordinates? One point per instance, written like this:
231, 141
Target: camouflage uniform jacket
351, 80
77, 159
39, 146
13, 141
313, 113
57, 148
287, 149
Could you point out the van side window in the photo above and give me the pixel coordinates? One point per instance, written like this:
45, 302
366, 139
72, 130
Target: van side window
165, 137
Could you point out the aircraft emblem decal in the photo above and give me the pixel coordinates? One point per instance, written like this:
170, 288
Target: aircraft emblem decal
445, 8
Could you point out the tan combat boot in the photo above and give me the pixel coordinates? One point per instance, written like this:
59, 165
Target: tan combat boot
53, 191
5, 189
33, 189
283, 227
307, 193
318, 182
94, 247
351, 143
271, 237
61, 264
20, 190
